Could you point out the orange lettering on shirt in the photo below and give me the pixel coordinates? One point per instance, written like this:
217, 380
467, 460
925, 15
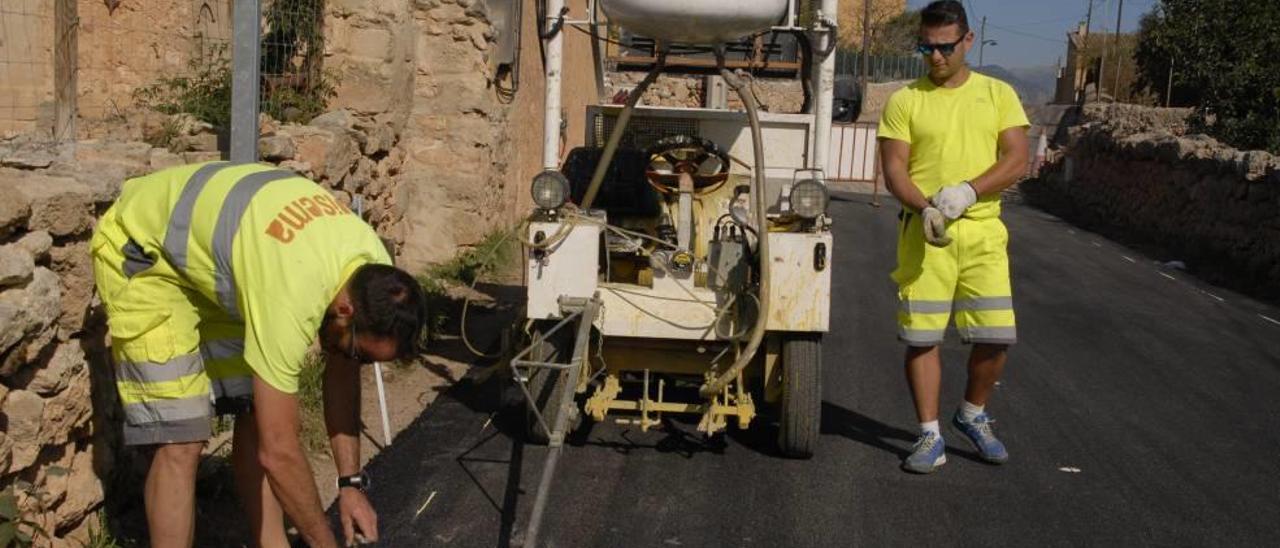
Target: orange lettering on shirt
278, 231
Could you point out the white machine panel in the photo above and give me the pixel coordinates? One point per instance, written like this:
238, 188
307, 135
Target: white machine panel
800, 281
567, 269
664, 311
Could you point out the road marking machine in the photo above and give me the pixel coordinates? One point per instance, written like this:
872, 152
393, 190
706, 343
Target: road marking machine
680, 263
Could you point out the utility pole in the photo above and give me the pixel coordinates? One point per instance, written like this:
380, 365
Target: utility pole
1119, 51
1168, 90
866, 45
982, 41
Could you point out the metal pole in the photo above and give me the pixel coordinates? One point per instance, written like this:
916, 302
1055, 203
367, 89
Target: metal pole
247, 30
555, 60
67, 15
824, 77
866, 45
1168, 90
1119, 51
982, 41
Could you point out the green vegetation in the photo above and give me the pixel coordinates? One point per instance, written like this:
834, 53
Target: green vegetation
496, 251
295, 87
315, 436
1223, 63
16, 528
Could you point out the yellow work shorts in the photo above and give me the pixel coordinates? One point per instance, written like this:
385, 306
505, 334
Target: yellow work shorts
179, 359
970, 277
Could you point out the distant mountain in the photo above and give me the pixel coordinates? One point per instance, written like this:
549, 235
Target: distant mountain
1035, 85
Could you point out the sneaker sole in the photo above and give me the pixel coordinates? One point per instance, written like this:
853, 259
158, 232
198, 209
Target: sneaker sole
936, 465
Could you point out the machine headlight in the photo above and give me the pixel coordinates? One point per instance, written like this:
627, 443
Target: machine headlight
550, 189
809, 199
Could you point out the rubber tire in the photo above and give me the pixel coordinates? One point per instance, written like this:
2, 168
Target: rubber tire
546, 385
800, 420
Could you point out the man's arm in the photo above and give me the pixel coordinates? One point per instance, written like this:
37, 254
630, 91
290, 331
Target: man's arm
280, 452
1011, 165
342, 420
894, 156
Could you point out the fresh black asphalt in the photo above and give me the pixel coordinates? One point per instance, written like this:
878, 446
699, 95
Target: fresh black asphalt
1140, 408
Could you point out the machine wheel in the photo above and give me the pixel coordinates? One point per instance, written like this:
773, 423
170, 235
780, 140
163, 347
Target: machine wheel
801, 412
547, 385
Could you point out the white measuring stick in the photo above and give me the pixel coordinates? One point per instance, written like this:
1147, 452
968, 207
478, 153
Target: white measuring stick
377, 366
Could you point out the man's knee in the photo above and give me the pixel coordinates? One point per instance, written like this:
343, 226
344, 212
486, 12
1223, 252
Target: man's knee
177, 455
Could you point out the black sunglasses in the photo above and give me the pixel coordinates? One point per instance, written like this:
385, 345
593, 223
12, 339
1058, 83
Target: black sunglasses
945, 49
353, 351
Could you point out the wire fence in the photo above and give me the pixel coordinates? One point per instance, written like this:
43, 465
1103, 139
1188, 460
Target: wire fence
67, 65
27, 44
883, 68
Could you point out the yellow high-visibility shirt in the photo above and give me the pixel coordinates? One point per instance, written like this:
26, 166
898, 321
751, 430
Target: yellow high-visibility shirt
268, 247
953, 132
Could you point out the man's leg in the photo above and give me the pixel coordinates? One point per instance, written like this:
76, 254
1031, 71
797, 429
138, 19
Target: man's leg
924, 376
266, 519
170, 494
986, 364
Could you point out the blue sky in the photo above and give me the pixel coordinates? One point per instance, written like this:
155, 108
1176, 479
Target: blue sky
1033, 32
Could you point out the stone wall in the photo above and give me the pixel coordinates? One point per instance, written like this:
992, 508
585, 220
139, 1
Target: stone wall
1136, 173
58, 415
778, 95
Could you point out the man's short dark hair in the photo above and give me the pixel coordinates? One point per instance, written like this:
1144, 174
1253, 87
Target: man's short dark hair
389, 303
943, 13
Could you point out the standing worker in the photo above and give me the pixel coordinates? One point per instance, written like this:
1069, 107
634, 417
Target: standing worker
950, 143
216, 280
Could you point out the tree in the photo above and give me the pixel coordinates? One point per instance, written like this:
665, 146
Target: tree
1223, 56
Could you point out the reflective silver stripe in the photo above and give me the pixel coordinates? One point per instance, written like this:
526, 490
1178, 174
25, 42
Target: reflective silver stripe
985, 303
168, 410
925, 307
233, 387
224, 234
179, 231
921, 336
149, 372
990, 334
222, 349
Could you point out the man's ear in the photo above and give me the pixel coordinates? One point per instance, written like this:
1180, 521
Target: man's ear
342, 306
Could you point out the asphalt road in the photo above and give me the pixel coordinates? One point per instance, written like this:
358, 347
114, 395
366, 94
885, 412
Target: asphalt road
1140, 408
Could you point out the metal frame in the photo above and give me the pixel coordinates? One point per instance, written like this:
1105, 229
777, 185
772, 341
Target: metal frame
245, 55
584, 311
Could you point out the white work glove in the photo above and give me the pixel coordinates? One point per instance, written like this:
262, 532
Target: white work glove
935, 227
952, 201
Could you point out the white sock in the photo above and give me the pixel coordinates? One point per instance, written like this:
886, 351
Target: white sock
969, 411
931, 426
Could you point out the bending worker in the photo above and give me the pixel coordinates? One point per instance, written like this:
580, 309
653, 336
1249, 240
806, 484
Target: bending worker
216, 280
950, 143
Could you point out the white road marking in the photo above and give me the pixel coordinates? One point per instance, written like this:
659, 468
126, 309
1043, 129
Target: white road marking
424, 505
1219, 299
1095, 244
1128, 258
1069, 469
1269, 318
1168, 276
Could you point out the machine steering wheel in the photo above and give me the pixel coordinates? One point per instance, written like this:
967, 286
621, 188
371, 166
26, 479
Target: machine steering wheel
673, 156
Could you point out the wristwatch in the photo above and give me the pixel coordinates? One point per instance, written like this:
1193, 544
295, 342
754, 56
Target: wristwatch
359, 481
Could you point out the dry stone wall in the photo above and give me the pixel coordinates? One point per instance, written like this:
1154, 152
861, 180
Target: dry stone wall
1136, 173
57, 405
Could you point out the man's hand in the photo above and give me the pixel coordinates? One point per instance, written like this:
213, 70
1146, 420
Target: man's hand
357, 516
952, 201
935, 227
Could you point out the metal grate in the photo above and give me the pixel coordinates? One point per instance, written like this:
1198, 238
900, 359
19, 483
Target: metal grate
642, 131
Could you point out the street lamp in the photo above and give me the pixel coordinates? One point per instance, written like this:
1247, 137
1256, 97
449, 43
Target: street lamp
982, 49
